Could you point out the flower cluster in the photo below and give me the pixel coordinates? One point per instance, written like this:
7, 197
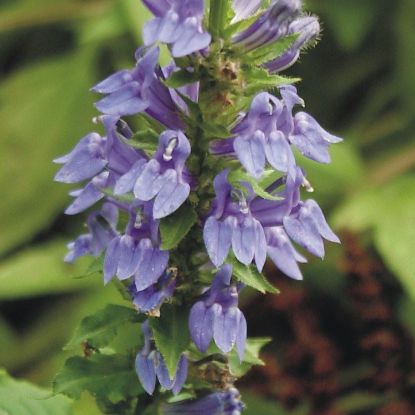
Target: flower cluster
245, 220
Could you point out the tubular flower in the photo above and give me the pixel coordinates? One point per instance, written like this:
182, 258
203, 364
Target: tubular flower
219, 403
150, 366
217, 316
177, 23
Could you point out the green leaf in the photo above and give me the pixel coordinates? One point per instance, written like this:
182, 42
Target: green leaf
40, 271
272, 51
46, 108
218, 16
181, 78
389, 212
101, 328
251, 357
260, 79
237, 176
175, 227
22, 398
250, 276
107, 376
171, 335
146, 140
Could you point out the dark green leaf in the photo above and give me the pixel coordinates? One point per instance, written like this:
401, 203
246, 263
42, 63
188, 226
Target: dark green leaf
22, 398
108, 376
250, 276
175, 227
101, 328
181, 78
171, 334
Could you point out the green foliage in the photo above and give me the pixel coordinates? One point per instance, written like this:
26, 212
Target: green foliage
110, 377
146, 140
181, 78
251, 357
250, 276
238, 176
272, 51
35, 112
22, 398
389, 212
101, 328
171, 335
39, 271
175, 227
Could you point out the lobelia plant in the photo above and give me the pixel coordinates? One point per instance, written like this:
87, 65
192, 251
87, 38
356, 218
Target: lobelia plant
194, 200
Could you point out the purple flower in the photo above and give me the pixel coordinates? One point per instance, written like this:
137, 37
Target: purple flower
102, 229
177, 23
311, 139
219, 403
139, 90
137, 253
150, 366
216, 315
268, 130
163, 177
270, 26
232, 223
263, 135
244, 8
308, 29
307, 226
151, 299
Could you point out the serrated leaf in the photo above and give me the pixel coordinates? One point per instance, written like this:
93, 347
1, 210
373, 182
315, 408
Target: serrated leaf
250, 276
238, 176
272, 51
171, 334
175, 227
260, 79
101, 328
181, 78
22, 398
108, 376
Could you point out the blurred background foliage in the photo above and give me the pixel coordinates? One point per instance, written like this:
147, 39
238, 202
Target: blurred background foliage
358, 82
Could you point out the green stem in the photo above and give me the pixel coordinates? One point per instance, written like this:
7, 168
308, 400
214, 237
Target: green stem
217, 17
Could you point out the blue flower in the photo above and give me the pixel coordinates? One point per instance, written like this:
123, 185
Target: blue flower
163, 178
150, 366
216, 315
226, 402
177, 23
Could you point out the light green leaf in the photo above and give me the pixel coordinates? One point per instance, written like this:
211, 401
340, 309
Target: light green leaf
251, 357
250, 276
22, 398
175, 227
40, 271
171, 335
46, 108
146, 140
101, 328
389, 212
107, 376
237, 176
